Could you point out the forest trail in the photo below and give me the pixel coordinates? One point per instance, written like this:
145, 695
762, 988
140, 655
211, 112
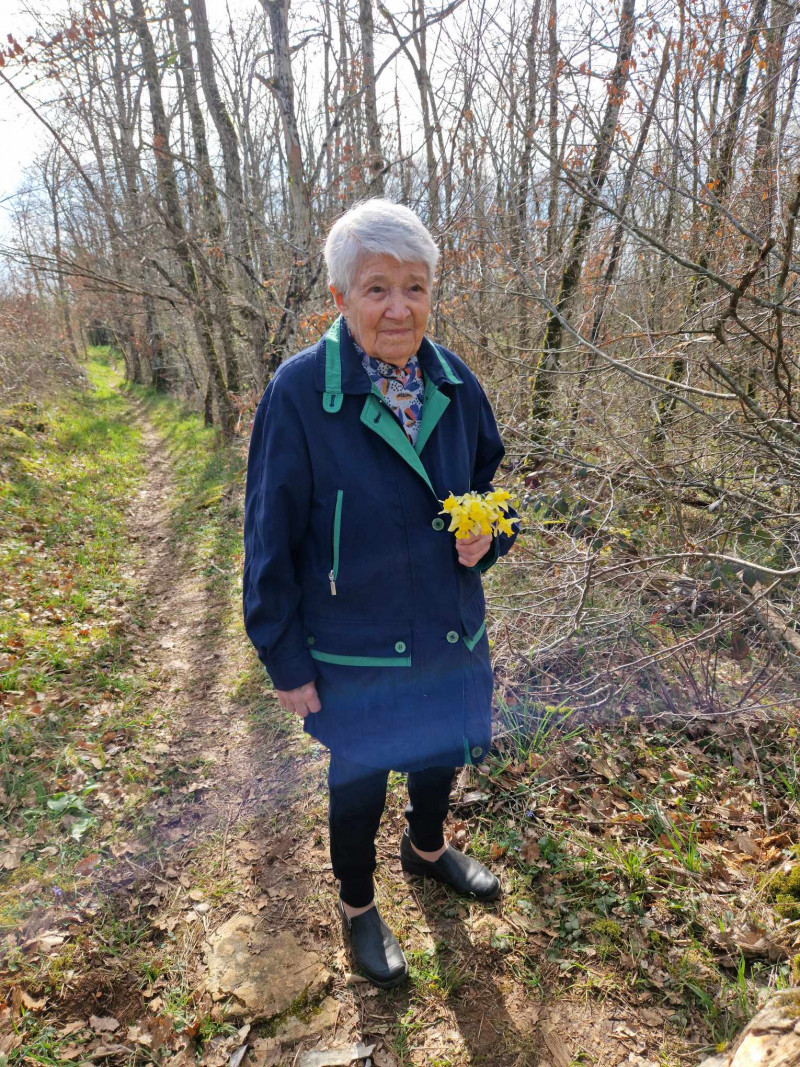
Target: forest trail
187, 647
182, 645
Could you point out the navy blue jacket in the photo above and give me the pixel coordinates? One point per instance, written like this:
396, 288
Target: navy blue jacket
351, 577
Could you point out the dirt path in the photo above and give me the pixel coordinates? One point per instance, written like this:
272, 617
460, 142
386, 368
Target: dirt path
189, 647
245, 840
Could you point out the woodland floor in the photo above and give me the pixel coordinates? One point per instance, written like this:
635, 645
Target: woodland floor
205, 801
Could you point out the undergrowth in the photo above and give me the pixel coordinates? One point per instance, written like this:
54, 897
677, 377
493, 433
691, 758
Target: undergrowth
644, 861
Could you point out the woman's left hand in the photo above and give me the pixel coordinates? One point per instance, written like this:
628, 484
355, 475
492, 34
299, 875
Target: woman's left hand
471, 549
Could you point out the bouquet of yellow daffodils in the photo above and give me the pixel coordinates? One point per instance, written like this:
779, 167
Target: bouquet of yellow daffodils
479, 513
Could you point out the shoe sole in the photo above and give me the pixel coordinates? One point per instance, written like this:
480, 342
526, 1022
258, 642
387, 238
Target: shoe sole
381, 983
443, 881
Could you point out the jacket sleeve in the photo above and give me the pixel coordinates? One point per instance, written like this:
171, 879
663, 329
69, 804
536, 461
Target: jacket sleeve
276, 514
488, 454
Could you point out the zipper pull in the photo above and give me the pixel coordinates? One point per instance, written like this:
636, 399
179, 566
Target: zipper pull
332, 580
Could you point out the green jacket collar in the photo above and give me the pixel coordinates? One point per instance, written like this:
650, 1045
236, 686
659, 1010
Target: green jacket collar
339, 370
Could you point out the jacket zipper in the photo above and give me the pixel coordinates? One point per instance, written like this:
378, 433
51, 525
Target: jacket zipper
337, 529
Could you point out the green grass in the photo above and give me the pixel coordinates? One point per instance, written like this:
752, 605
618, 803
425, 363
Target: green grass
65, 574
437, 970
618, 894
78, 704
616, 870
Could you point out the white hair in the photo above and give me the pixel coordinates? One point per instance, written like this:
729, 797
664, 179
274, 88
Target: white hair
377, 228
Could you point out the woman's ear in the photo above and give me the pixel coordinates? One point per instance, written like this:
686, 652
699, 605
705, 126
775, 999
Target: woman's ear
339, 299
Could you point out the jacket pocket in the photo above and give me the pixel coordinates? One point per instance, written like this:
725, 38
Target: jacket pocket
336, 536
361, 644
473, 619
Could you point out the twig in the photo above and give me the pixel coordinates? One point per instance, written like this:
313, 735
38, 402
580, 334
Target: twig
765, 806
224, 857
149, 873
336, 1022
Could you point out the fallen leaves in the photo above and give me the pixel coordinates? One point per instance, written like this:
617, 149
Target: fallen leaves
9, 1042
104, 1024
751, 941
530, 852
745, 844
12, 853
557, 1048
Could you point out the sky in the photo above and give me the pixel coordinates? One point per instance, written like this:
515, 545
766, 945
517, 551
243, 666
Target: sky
22, 135
18, 133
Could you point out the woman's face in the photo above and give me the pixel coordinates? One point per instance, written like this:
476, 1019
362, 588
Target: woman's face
387, 307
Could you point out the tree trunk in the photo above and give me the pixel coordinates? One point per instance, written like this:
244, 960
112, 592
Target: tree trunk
552, 128
131, 184
544, 379
173, 218
619, 233
520, 221
376, 161
725, 167
719, 181
211, 215
236, 209
302, 273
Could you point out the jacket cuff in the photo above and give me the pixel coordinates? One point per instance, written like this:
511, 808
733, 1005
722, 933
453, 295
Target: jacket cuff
489, 558
291, 673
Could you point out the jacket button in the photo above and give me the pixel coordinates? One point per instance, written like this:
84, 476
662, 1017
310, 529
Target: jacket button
400, 646
477, 751
309, 640
438, 523
452, 637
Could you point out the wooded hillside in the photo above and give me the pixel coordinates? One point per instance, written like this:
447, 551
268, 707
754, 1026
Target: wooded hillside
615, 190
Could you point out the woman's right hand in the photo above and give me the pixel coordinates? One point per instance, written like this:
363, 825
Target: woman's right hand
301, 701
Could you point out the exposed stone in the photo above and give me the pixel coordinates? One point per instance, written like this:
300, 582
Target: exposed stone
771, 1039
261, 974
323, 1018
336, 1057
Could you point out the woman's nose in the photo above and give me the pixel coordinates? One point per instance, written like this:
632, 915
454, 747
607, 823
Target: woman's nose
397, 307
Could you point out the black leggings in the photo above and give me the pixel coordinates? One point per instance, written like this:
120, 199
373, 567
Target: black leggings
357, 795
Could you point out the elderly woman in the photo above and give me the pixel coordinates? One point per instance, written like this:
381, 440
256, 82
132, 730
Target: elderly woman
367, 614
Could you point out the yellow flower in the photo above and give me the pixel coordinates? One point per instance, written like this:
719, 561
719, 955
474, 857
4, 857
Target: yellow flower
476, 513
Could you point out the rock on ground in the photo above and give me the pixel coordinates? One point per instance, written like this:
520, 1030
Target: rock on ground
262, 974
770, 1039
323, 1019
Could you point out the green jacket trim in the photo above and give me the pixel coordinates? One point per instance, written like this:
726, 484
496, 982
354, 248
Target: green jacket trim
471, 642
361, 661
337, 530
434, 405
448, 370
376, 416
467, 754
332, 397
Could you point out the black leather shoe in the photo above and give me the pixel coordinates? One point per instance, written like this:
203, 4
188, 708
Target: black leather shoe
462, 873
374, 948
